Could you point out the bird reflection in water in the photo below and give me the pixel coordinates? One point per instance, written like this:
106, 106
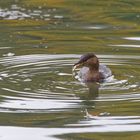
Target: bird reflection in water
93, 90
91, 72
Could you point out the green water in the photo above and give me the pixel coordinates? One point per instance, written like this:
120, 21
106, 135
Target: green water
39, 43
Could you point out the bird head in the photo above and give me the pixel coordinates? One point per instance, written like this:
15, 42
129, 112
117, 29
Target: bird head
89, 60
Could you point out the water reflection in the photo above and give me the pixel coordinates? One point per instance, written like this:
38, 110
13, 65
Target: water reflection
43, 133
93, 88
21, 73
37, 90
42, 86
21, 13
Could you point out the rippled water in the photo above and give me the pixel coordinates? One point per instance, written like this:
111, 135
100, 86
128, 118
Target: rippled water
39, 96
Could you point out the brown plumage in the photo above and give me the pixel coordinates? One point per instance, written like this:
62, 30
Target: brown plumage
92, 74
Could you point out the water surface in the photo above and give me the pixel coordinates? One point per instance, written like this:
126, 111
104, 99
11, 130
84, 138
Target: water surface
39, 43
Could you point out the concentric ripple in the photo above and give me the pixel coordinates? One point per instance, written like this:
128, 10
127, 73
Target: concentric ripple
49, 77
44, 84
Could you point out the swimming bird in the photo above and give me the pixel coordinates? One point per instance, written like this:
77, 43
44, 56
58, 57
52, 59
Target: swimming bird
91, 70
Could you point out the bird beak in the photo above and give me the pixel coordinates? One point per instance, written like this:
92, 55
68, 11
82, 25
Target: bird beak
76, 66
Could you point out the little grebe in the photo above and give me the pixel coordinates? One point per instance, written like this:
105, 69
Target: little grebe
90, 70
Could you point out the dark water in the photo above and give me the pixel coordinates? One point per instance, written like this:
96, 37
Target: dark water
39, 43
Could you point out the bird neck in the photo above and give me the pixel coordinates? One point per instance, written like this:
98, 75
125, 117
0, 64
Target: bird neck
94, 69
